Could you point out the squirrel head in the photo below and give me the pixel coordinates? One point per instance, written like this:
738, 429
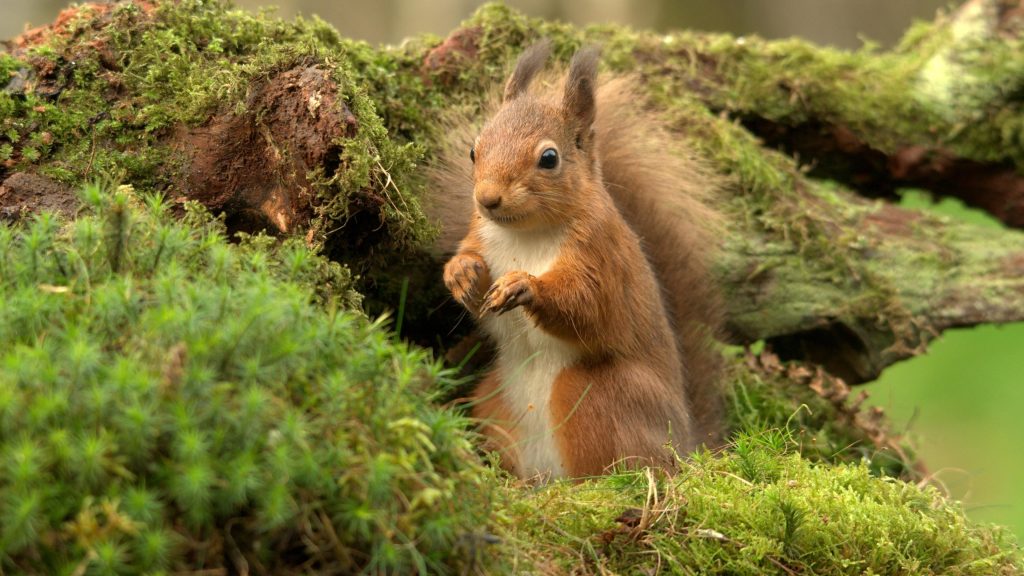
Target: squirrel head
534, 161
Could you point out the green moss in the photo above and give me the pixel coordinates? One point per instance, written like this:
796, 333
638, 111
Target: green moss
757, 509
161, 387
761, 400
793, 82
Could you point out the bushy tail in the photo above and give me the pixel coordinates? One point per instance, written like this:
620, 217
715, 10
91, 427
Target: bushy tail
666, 194
449, 193
662, 190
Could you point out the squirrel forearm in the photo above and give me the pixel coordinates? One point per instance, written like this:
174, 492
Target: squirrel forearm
569, 305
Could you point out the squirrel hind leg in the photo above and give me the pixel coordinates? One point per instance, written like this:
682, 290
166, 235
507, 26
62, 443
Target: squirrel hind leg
616, 414
497, 423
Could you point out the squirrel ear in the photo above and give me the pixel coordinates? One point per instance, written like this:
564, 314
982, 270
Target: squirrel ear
530, 62
578, 103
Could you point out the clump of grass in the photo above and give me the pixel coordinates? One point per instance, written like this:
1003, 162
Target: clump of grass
173, 401
756, 508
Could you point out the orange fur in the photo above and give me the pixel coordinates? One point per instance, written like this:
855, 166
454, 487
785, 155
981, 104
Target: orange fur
603, 328
499, 424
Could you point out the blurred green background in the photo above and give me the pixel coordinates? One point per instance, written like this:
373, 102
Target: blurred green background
963, 402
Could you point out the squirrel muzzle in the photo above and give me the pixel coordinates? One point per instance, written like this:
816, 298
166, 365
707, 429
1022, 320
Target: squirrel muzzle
488, 194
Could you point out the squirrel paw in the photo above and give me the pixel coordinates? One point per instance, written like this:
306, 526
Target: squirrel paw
511, 290
465, 275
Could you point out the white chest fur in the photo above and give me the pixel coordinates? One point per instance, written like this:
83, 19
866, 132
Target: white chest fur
529, 359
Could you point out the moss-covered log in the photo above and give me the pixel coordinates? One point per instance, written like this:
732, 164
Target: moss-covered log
941, 111
900, 278
287, 127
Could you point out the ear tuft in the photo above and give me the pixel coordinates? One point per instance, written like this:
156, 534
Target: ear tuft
578, 104
530, 62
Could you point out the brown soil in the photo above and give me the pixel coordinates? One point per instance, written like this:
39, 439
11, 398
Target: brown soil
24, 193
254, 166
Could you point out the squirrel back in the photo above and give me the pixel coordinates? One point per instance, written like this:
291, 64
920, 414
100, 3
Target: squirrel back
663, 192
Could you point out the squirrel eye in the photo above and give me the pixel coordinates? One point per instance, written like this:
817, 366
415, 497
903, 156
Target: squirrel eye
548, 159
472, 154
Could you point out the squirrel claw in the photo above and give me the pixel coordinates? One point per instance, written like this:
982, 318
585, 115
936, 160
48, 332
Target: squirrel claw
463, 275
509, 292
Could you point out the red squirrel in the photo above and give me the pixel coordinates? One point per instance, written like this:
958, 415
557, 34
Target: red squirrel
584, 264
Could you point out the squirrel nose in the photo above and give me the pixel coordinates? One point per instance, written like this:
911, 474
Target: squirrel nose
488, 196
490, 202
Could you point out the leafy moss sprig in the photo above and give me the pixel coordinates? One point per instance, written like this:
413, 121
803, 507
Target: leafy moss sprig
170, 400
